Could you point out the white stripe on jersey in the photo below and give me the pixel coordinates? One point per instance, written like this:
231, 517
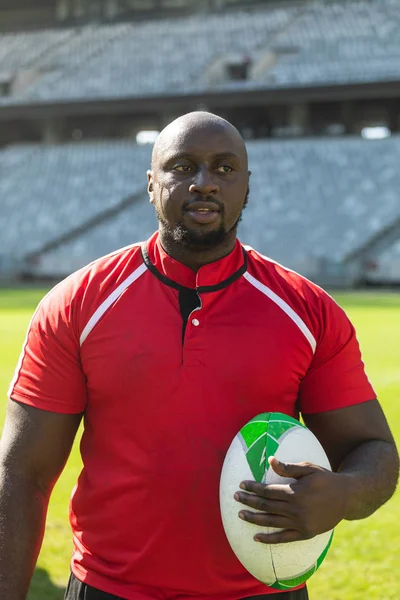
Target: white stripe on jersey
99, 312
284, 306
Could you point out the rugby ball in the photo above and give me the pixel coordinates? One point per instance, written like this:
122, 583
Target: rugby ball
280, 566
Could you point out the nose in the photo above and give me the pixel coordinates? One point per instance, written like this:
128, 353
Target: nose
203, 183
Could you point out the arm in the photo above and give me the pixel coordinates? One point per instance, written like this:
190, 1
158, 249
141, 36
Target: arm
34, 448
363, 455
360, 446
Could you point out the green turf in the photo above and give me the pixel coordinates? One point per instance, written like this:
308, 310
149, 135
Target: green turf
364, 559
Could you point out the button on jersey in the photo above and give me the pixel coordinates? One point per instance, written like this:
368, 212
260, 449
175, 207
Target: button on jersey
167, 366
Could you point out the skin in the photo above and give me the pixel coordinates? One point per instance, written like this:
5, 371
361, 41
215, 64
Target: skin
34, 448
198, 158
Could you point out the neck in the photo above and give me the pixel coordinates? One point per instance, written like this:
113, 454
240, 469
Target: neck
196, 257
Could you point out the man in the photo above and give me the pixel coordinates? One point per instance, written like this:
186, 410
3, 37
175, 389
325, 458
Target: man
167, 348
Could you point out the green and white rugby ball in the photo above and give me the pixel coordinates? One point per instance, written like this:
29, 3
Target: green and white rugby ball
281, 566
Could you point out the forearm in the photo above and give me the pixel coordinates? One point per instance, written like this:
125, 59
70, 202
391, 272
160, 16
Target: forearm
371, 471
23, 507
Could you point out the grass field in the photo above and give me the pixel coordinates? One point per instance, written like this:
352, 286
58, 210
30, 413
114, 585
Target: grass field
365, 557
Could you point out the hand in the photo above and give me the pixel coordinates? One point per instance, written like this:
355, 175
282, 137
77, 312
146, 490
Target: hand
312, 504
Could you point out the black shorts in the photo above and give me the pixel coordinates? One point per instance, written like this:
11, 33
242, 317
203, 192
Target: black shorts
77, 590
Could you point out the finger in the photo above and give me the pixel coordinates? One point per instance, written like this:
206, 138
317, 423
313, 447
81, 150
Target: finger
273, 491
293, 470
276, 507
265, 519
279, 537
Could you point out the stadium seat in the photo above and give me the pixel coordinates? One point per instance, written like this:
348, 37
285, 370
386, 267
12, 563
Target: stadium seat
311, 43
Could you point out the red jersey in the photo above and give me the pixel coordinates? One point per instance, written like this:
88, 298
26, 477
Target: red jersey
167, 365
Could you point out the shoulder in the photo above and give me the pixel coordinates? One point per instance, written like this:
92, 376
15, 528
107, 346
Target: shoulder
311, 303
279, 276
78, 295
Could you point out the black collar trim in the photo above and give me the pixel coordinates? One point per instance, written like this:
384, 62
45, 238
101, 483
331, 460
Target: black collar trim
202, 289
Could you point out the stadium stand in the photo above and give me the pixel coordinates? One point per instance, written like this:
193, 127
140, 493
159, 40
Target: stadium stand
328, 196
131, 59
341, 42
335, 199
312, 203
49, 192
385, 269
132, 224
307, 43
380, 257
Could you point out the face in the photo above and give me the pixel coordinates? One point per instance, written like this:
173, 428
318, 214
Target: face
199, 185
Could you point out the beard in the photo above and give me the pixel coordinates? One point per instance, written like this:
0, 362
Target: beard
191, 238
195, 239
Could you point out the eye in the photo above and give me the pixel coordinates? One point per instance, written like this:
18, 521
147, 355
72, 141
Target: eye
183, 168
224, 169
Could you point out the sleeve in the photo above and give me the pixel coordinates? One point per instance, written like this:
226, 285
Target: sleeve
336, 377
49, 374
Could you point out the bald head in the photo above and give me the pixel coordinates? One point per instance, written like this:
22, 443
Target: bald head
185, 127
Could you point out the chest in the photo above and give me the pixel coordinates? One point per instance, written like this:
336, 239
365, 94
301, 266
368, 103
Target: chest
235, 345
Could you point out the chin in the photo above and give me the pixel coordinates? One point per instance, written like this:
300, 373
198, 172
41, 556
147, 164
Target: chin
198, 239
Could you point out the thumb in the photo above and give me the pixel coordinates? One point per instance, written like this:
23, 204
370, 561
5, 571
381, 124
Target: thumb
293, 470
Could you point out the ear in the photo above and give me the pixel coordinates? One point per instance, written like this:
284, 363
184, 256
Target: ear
247, 195
150, 186
248, 189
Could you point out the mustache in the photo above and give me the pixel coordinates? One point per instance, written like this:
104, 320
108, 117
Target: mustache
199, 198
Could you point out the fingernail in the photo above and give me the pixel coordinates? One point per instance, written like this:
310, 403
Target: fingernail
236, 496
242, 486
256, 539
241, 515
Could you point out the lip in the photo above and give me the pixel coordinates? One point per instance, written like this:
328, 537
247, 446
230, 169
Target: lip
203, 218
194, 206
195, 212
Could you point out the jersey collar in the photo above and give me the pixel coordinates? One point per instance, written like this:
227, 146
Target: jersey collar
210, 278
